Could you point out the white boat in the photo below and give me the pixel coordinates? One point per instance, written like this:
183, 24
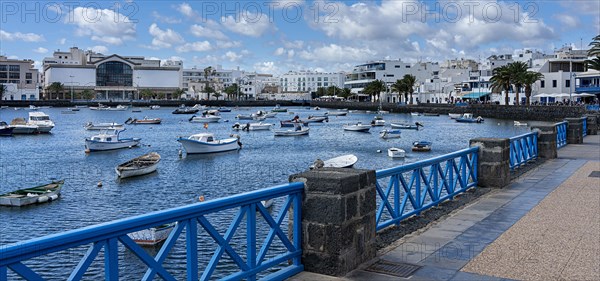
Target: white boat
421, 146
344, 161
337, 113
206, 143
396, 152
138, 166
20, 127
406, 126
517, 123
270, 114
259, 118
296, 131
109, 140
107, 108
316, 119
468, 118
199, 107
389, 134
42, 121
415, 114
377, 121
267, 203
252, 126
103, 126
454, 115
205, 119
244, 117
358, 127
155, 107
152, 236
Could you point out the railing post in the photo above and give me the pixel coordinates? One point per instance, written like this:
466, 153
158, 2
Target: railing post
592, 124
338, 219
574, 131
493, 162
546, 141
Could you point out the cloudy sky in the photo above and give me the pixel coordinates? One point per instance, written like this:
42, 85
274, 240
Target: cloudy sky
279, 36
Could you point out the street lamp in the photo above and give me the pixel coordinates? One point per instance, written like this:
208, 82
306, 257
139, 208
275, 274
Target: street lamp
571, 84
71, 87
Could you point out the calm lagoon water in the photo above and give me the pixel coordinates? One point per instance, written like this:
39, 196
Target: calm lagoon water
265, 160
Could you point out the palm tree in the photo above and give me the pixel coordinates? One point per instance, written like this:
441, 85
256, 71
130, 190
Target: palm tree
232, 90
400, 88
409, 83
87, 94
56, 87
517, 70
375, 88
345, 93
528, 79
2, 91
594, 63
501, 81
178, 93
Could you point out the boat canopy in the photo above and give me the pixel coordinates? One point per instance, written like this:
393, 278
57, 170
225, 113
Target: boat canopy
205, 137
475, 95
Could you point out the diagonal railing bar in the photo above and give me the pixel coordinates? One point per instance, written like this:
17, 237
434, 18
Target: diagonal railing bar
561, 134
251, 238
427, 181
584, 123
523, 148
269, 239
107, 236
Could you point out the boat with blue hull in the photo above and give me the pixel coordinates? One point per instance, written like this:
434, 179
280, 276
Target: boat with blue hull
468, 118
110, 140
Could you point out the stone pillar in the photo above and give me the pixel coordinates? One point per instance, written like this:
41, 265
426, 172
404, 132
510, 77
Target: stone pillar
574, 130
592, 125
493, 158
546, 141
338, 219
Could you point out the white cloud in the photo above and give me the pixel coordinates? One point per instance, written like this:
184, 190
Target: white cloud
280, 51
103, 25
99, 49
567, 20
199, 46
18, 36
164, 38
206, 60
290, 54
165, 19
248, 23
266, 67
40, 50
228, 44
232, 56
296, 44
62, 41
337, 53
186, 10
208, 32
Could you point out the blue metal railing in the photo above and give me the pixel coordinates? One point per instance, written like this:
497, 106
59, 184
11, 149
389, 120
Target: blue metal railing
423, 184
584, 121
107, 236
523, 148
592, 107
561, 134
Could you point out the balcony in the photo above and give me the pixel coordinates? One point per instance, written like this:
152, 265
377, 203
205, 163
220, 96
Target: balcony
592, 89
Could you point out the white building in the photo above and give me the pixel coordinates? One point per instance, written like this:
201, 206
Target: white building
559, 71
20, 79
309, 81
111, 77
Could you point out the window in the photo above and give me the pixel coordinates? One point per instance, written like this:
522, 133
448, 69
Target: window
28, 82
3, 67
397, 66
553, 83
407, 66
567, 83
14, 75
28, 75
3, 75
14, 68
319, 79
114, 73
326, 79
542, 84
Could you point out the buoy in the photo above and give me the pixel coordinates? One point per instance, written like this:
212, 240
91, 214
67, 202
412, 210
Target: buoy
87, 151
99, 184
378, 150
201, 198
180, 153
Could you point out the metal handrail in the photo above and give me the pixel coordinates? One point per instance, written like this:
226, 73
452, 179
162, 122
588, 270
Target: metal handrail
423, 184
108, 235
523, 148
584, 121
561, 134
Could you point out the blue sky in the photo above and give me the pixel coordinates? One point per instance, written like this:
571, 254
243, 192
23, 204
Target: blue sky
279, 36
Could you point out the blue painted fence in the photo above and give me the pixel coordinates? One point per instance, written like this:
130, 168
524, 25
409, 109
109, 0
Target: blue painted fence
523, 148
561, 134
423, 184
592, 107
108, 236
584, 121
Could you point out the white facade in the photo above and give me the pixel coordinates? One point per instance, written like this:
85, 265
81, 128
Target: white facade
13, 92
308, 81
20, 78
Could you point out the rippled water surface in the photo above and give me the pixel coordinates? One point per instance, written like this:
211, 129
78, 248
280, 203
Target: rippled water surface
265, 160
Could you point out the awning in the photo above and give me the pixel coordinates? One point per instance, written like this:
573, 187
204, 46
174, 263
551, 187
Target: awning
475, 95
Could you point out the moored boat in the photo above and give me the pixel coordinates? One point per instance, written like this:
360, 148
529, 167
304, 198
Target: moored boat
252, 126
207, 143
224, 109
337, 113
109, 140
34, 195
138, 166
454, 115
344, 161
145, 121
155, 107
406, 126
42, 121
431, 114
205, 118
5, 130
395, 152
278, 108
19, 126
103, 126
415, 114
377, 121
468, 118
152, 236
358, 127
186, 110
517, 123
421, 146
317, 119
389, 134
298, 130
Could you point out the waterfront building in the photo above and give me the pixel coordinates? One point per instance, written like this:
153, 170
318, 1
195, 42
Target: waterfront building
194, 80
111, 77
588, 83
309, 81
559, 70
19, 78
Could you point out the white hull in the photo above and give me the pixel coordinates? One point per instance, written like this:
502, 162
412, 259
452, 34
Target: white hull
196, 147
396, 152
211, 119
357, 128
138, 172
344, 161
100, 146
454, 115
259, 127
44, 129
152, 236
291, 132
24, 129
315, 119
337, 113
393, 134
378, 123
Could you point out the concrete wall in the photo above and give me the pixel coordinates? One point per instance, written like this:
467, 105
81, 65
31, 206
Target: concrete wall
82, 77
156, 78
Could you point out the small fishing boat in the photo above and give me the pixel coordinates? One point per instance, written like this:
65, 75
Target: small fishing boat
42, 121
293, 122
155, 107
317, 119
138, 166
406, 126
415, 114
19, 126
103, 126
468, 118
278, 108
421, 146
431, 114
207, 143
267, 203
377, 121
454, 115
152, 236
5, 130
317, 108
81, 106
252, 126
358, 127
109, 140
34, 195
224, 109
205, 118
74, 109
259, 118
186, 110
389, 134
395, 152
145, 121
136, 109
270, 114
344, 161
337, 113
517, 123
102, 107
244, 117
298, 130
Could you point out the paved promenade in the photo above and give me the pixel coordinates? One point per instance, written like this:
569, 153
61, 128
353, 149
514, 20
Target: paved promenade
544, 226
